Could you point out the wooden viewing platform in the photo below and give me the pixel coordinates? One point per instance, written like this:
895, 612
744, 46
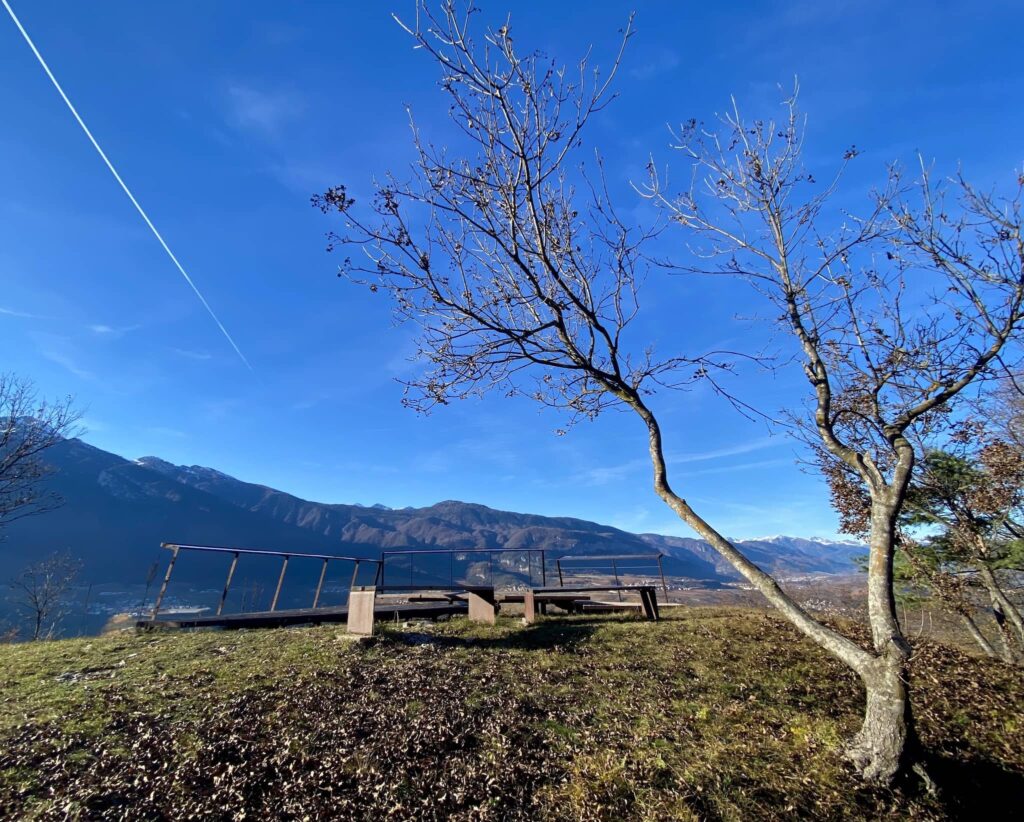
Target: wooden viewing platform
303, 616
367, 603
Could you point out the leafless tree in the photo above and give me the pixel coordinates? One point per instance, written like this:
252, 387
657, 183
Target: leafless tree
41, 592
514, 265
893, 315
29, 426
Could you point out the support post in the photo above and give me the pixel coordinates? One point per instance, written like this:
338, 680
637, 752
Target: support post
649, 601
227, 584
543, 568
482, 606
167, 579
280, 582
661, 571
361, 610
561, 582
529, 608
320, 585
615, 571
355, 575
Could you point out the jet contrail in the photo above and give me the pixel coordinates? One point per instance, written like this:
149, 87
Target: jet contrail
121, 182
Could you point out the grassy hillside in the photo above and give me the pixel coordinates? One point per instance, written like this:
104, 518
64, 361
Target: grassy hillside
712, 713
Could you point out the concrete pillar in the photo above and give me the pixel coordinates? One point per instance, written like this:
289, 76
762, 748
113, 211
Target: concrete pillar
360, 610
482, 606
529, 608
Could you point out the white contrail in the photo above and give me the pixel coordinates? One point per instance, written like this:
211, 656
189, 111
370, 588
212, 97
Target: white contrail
121, 182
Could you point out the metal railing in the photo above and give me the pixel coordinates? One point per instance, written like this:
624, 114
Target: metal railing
399, 585
562, 564
615, 561
286, 556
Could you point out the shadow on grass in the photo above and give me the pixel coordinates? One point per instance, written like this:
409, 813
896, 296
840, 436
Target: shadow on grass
544, 635
973, 788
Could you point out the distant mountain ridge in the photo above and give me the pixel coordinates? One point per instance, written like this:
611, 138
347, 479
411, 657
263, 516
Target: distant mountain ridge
117, 511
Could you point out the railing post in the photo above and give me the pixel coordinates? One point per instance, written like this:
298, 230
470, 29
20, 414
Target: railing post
227, 584
661, 570
543, 568
615, 571
320, 584
167, 579
355, 574
280, 582
558, 564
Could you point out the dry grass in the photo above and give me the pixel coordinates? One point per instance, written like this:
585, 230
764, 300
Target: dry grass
711, 714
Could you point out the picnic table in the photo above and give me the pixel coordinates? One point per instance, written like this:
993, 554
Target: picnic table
534, 597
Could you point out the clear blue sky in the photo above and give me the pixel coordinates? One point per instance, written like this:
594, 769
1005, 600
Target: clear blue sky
224, 117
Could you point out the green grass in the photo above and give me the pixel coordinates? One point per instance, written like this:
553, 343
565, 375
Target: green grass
711, 713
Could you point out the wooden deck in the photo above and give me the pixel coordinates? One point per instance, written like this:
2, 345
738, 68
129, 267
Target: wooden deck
303, 616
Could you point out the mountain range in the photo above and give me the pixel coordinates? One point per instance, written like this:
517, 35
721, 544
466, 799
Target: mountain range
117, 512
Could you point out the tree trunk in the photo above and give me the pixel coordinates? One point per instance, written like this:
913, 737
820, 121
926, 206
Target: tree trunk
995, 590
880, 749
886, 739
883, 746
979, 637
1005, 640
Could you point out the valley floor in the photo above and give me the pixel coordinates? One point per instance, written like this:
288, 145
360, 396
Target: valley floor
713, 713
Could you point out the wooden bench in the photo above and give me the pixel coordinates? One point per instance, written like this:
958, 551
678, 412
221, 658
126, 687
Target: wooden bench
535, 596
481, 599
570, 603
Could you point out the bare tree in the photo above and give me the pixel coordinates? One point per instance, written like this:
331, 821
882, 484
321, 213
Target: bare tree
29, 426
514, 264
1005, 410
893, 314
41, 592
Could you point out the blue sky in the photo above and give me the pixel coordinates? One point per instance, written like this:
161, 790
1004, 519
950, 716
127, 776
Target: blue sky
225, 117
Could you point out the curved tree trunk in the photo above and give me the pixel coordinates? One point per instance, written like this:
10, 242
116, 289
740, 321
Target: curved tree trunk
998, 596
886, 739
1005, 640
979, 637
835, 643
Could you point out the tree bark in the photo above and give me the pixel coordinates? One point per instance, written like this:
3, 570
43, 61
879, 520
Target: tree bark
886, 739
835, 643
979, 637
883, 746
1005, 639
997, 595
